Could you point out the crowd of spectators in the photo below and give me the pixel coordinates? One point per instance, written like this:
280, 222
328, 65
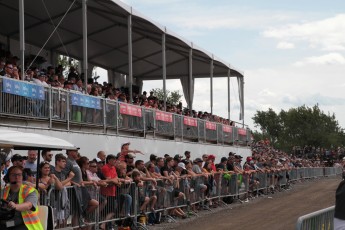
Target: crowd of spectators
178, 177
55, 77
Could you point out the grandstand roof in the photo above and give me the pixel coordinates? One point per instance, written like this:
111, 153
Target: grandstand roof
108, 38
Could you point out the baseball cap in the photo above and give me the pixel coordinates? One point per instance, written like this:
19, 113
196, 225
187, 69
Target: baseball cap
123, 144
249, 159
17, 157
98, 160
211, 157
181, 165
177, 156
198, 160
130, 155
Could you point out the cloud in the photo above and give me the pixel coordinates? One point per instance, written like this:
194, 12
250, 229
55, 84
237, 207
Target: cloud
326, 34
313, 99
266, 93
285, 45
327, 59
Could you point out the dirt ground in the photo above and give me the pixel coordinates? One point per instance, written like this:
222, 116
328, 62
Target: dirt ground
279, 211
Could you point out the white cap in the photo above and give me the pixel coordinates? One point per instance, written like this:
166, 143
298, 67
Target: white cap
181, 165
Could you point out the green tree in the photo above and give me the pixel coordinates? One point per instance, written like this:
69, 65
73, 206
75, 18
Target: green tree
173, 97
300, 126
66, 63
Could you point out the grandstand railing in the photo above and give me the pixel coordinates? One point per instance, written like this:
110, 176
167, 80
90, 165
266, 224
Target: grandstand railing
322, 219
185, 193
27, 100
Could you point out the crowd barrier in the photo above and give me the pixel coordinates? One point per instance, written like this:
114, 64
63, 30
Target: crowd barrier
322, 219
28, 100
186, 195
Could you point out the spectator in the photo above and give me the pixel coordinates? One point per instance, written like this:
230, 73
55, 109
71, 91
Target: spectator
153, 159
31, 161
29, 178
60, 165
46, 179
109, 171
18, 160
187, 155
211, 158
101, 155
125, 150
124, 198
144, 200
47, 155
8, 70
41, 80
15, 73
129, 159
83, 196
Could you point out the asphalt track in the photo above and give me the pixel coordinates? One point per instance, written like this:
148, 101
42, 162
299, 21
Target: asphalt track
279, 211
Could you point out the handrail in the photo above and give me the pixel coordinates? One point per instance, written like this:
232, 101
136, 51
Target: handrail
321, 219
71, 107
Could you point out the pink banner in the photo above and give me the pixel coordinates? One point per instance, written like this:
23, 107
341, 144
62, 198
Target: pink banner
242, 132
163, 116
227, 128
210, 125
130, 110
190, 121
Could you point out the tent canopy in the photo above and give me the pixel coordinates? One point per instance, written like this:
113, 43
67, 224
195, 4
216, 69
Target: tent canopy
108, 38
20, 140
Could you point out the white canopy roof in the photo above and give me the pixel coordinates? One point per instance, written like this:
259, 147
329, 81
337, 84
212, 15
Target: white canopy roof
108, 38
20, 140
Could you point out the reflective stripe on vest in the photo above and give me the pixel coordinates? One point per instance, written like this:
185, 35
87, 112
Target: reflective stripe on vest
30, 218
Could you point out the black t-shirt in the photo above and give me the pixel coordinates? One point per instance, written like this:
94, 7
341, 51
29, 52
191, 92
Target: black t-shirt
230, 167
130, 168
166, 168
100, 175
339, 211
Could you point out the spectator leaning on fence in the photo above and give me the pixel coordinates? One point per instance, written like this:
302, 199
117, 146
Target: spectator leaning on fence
109, 171
84, 204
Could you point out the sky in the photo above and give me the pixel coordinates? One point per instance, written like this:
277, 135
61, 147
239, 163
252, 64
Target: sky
292, 52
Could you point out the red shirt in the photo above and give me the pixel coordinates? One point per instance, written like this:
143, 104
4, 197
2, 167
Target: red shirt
109, 171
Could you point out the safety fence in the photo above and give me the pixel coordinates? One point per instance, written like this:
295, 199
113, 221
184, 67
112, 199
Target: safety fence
322, 219
28, 100
171, 199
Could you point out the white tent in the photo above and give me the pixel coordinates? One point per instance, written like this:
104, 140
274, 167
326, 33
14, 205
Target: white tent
112, 35
19, 140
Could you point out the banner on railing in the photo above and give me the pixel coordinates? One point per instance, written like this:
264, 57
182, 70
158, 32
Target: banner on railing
227, 128
23, 88
211, 125
163, 116
190, 121
242, 132
86, 101
130, 110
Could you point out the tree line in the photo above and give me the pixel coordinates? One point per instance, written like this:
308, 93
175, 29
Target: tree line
299, 126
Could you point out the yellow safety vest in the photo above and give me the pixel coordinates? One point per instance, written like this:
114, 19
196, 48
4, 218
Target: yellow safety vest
31, 219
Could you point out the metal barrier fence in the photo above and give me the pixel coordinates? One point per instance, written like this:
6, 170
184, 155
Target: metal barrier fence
322, 219
70, 107
172, 200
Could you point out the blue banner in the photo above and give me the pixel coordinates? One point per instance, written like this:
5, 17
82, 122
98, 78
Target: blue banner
23, 88
86, 101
